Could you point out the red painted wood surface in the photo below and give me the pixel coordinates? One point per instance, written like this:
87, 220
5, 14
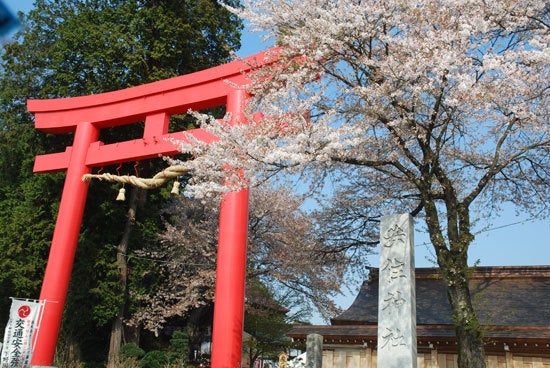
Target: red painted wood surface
153, 104
230, 273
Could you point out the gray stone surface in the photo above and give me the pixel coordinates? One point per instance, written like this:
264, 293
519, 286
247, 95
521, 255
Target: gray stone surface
314, 351
396, 298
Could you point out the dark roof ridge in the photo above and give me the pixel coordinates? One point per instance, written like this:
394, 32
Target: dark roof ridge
481, 272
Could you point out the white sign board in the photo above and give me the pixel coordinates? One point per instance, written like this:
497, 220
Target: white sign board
19, 333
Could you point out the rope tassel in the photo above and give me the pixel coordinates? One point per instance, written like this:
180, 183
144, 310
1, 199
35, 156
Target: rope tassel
121, 195
176, 188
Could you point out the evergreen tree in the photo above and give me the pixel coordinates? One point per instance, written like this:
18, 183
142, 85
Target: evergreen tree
79, 47
266, 324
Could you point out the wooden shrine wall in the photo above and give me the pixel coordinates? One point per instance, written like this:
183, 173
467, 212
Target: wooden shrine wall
362, 357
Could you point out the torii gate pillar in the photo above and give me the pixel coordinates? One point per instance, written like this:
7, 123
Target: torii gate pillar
152, 103
230, 274
63, 247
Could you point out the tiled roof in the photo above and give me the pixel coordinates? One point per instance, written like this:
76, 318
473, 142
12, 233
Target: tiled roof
512, 303
502, 296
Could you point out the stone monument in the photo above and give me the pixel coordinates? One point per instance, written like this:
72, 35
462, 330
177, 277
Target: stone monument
396, 298
314, 351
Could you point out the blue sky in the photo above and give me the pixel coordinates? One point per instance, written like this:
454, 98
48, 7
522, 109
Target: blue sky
512, 240
16, 5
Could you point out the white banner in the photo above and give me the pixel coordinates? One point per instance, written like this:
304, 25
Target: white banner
18, 337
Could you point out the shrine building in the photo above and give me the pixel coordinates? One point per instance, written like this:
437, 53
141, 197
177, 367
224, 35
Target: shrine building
513, 305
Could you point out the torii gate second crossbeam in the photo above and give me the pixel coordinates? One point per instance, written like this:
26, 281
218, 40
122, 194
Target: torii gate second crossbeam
152, 103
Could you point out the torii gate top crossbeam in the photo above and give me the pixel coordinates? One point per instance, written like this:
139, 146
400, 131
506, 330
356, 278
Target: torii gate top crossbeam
152, 103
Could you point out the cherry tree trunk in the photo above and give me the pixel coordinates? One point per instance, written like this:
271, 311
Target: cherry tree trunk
471, 353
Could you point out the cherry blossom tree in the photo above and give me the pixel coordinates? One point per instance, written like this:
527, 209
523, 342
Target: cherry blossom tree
283, 253
437, 108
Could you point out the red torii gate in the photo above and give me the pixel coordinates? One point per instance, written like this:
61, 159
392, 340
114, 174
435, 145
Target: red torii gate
152, 103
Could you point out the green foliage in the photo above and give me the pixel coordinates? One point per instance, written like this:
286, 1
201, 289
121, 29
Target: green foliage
80, 47
155, 359
266, 323
27, 207
131, 350
179, 347
175, 356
